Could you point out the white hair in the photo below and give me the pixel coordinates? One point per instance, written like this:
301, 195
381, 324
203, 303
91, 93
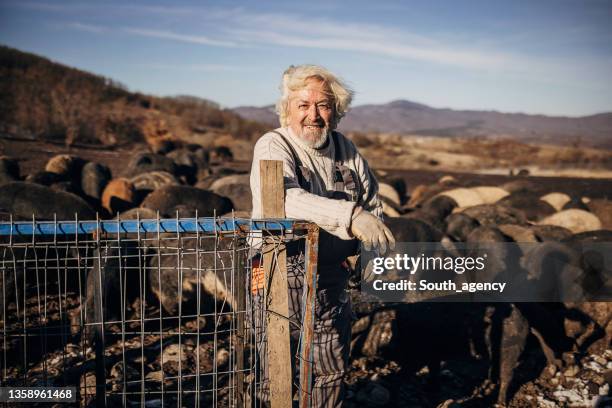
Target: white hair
296, 78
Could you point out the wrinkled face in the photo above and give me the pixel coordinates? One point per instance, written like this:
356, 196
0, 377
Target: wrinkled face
311, 112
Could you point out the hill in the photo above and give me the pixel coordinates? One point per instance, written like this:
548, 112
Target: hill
406, 117
43, 100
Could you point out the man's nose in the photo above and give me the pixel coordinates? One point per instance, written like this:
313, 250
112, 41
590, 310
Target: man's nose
313, 113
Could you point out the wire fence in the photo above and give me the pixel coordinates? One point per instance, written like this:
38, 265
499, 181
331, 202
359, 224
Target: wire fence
139, 312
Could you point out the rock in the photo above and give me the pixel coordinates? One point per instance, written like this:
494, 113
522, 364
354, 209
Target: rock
380, 334
549, 372
156, 376
175, 352
571, 371
118, 375
87, 388
599, 380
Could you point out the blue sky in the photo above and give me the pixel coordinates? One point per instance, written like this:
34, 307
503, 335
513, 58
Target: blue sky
548, 57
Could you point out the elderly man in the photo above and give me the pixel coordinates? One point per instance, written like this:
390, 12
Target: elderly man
329, 183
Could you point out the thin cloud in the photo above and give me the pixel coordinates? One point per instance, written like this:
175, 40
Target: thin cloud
296, 31
168, 35
194, 67
239, 27
91, 28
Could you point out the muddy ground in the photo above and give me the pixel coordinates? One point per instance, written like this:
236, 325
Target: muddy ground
376, 382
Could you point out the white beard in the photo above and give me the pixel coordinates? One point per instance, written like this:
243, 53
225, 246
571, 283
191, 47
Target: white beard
316, 142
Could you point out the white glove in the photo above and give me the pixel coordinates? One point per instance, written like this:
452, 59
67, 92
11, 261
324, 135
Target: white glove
371, 231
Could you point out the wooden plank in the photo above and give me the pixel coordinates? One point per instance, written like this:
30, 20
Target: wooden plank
272, 188
275, 288
310, 286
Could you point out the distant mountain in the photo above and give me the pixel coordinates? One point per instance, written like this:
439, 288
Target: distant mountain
413, 118
264, 114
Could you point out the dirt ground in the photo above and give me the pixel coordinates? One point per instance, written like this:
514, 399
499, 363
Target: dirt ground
376, 382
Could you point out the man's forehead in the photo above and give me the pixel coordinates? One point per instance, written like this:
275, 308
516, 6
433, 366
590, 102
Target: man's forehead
308, 94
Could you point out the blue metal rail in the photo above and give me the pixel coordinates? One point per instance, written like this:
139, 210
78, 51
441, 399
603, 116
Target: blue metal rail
204, 224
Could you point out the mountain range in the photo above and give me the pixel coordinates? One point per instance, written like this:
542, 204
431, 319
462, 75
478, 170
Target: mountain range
407, 117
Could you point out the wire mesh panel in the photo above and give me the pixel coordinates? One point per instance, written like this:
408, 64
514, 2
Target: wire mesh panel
138, 312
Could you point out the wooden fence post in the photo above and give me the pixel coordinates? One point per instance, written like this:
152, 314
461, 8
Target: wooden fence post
310, 286
275, 288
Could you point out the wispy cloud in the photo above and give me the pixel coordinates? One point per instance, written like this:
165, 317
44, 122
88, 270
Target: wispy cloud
168, 35
297, 31
195, 67
91, 28
239, 27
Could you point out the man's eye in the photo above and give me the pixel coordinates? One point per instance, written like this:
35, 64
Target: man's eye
303, 106
323, 106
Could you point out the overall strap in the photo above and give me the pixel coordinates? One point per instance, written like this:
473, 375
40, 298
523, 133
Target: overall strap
301, 171
343, 177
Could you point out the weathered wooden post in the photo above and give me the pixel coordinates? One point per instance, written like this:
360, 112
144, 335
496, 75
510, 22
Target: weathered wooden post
276, 295
275, 288
310, 286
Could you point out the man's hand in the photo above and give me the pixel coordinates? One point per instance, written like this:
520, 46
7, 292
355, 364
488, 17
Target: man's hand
371, 231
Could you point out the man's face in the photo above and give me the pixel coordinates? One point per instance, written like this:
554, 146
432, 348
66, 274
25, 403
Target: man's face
311, 112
